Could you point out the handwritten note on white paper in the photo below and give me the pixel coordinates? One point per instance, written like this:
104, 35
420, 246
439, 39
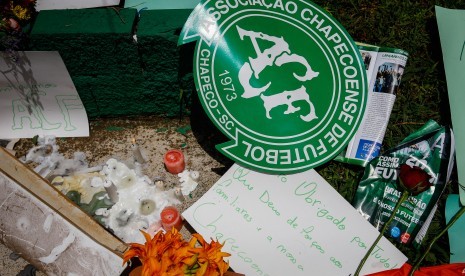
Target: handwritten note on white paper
72, 4
38, 97
288, 225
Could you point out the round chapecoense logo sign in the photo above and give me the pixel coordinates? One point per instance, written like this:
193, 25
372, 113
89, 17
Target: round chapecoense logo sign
282, 79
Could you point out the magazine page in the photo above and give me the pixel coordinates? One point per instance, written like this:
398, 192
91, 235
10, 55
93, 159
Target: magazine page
385, 67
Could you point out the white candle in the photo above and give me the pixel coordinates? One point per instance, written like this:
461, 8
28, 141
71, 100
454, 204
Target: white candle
136, 152
160, 183
179, 195
111, 190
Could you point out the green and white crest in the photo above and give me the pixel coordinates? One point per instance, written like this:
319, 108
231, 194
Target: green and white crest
282, 79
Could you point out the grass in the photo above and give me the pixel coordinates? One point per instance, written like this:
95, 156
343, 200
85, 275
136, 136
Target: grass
411, 26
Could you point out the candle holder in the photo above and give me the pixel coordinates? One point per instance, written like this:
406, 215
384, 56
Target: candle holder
174, 161
170, 218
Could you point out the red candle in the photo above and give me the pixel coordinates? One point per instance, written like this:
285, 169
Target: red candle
170, 218
174, 161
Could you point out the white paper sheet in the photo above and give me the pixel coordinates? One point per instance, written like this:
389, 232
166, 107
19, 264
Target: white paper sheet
38, 97
69, 4
288, 225
161, 4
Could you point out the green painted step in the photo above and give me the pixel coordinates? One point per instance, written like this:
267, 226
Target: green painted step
113, 74
126, 95
90, 41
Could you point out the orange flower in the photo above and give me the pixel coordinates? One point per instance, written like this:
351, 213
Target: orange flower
164, 254
210, 257
169, 255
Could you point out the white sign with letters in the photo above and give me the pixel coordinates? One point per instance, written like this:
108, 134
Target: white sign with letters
38, 97
288, 225
66, 4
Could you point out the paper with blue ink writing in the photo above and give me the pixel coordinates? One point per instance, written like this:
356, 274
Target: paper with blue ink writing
288, 225
451, 24
38, 97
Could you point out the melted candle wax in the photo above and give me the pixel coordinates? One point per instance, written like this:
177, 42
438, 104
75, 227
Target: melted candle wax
188, 181
139, 202
52, 163
82, 183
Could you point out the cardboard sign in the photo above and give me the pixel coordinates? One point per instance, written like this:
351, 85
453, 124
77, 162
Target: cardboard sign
38, 97
284, 81
456, 240
450, 23
288, 225
69, 4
